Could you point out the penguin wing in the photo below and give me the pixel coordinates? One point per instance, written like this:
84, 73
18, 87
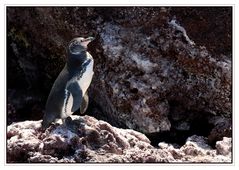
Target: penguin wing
76, 92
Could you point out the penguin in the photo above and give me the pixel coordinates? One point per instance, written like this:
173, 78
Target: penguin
69, 91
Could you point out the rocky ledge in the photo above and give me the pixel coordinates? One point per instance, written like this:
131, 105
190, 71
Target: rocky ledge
86, 139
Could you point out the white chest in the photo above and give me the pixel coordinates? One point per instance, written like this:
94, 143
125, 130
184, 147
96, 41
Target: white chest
85, 80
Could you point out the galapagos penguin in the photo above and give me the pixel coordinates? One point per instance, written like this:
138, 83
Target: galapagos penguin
69, 91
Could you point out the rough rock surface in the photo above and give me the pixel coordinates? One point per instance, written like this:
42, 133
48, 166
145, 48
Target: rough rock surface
156, 69
164, 67
86, 139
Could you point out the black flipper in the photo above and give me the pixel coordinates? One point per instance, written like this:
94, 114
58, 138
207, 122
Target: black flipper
76, 93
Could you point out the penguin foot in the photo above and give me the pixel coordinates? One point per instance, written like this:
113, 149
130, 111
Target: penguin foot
67, 121
74, 126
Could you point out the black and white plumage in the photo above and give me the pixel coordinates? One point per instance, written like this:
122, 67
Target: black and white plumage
69, 91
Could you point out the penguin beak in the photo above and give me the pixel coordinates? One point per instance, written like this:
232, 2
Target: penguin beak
86, 41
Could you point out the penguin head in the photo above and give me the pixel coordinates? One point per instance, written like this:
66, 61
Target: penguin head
78, 45
77, 49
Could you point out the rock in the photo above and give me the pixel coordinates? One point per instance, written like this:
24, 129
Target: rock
199, 23
197, 149
224, 147
153, 70
162, 64
196, 145
22, 138
222, 127
86, 139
